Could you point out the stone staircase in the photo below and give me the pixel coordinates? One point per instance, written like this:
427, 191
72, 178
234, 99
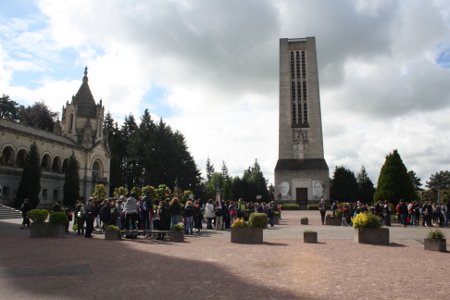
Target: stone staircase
7, 212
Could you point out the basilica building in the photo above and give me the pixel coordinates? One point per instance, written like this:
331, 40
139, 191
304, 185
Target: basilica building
81, 132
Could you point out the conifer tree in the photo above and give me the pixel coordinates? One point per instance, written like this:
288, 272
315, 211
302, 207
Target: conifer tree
365, 186
30, 183
71, 182
394, 182
343, 185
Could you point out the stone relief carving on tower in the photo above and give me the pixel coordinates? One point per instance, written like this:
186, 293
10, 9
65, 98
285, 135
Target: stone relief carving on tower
300, 141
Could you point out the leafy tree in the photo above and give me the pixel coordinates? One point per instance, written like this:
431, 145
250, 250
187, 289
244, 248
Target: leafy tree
99, 191
365, 186
120, 191
39, 116
394, 183
256, 183
71, 182
8, 108
149, 190
415, 180
30, 183
438, 182
344, 186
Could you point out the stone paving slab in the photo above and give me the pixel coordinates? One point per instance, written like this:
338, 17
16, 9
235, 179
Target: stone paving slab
210, 267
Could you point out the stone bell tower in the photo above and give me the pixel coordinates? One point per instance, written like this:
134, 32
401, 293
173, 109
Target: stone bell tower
301, 173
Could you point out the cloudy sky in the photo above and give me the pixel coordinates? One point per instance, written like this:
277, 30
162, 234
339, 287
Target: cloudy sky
210, 69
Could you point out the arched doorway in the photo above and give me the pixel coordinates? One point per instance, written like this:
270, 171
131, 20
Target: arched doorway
46, 163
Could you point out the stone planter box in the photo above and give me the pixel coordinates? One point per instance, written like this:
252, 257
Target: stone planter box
56, 231
40, 230
246, 235
333, 221
113, 235
310, 237
374, 236
304, 221
435, 245
177, 236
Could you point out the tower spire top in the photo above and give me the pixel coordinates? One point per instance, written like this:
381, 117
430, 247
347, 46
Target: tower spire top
85, 79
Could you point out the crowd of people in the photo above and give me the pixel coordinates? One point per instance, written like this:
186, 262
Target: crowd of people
406, 213
143, 213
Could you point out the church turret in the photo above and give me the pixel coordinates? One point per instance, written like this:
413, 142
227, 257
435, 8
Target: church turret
82, 114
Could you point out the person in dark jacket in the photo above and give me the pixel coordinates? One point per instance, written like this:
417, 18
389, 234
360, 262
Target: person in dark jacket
188, 214
89, 213
26, 207
198, 216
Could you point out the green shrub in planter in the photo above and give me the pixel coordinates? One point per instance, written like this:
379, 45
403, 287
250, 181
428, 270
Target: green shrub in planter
436, 235
58, 217
112, 228
277, 214
38, 215
257, 220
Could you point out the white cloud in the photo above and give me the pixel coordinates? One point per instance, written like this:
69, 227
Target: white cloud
218, 62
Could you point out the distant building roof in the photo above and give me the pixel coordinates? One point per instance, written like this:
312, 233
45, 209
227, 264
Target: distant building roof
36, 133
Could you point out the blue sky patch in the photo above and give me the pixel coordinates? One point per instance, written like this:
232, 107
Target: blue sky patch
155, 100
443, 58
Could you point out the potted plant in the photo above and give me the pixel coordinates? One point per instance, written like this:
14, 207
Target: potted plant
309, 236
38, 226
112, 233
177, 232
304, 221
57, 224
249, 232
435, 241
369, 231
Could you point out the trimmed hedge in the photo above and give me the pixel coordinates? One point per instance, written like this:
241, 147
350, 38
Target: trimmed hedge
58, 217
313, 207
257, 220
289, 206
38, 215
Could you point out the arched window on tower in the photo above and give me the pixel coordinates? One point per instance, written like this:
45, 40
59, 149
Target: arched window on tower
97, 170
71, 123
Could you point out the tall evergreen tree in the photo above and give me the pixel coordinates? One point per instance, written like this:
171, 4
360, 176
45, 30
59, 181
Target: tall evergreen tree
394, 183
344, 186
71, 182
209, 169
415, 180
30, 183
365, 186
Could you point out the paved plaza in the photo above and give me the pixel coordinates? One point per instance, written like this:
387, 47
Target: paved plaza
208, 266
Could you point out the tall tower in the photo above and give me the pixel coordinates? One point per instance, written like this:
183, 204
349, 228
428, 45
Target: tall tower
301, 173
